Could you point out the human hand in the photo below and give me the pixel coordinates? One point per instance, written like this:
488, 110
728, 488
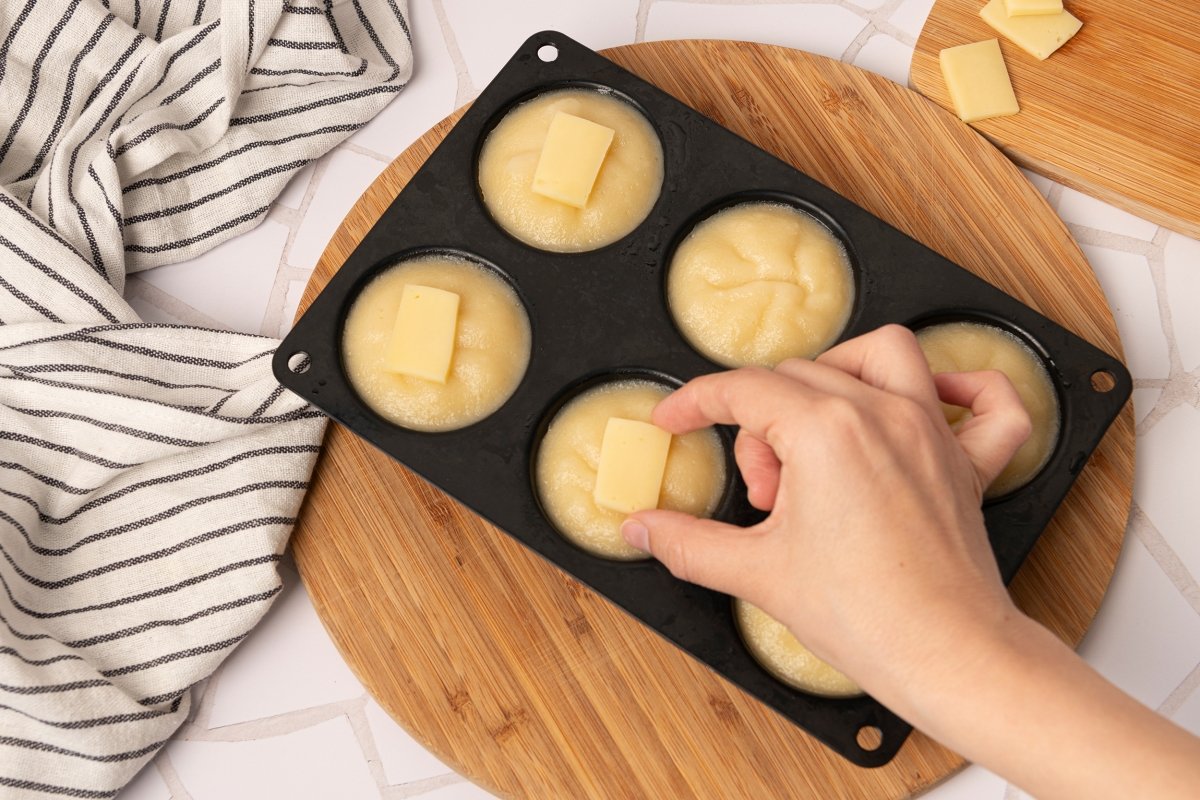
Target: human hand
874, 553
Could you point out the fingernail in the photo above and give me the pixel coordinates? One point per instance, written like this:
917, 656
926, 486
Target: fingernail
636, 534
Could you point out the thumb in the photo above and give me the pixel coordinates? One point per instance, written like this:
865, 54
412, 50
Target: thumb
999, 423
704, 551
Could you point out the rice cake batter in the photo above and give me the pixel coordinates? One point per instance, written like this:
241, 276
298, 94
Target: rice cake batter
491, 346
970, 346
569, 456
758, 283
781, 654
625, 190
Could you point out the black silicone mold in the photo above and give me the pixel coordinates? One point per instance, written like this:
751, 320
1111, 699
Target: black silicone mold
604, 312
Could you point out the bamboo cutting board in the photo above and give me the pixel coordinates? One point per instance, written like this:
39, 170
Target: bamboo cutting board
534, 686
1114, 113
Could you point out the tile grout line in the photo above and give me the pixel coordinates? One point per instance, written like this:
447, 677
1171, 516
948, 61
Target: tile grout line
269, 325
640, 20
1178, 386
1182, 693
351, 147
136, 287
365, 739
1165, 556
166, 771
859, 42
404, 791
1110, 240
881, 20
466, 90
270, 727
1054, 197
207, 700
320, 166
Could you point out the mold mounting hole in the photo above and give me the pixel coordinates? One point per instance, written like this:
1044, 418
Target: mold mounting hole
1103, 381
547, 53
299, 362
869, 738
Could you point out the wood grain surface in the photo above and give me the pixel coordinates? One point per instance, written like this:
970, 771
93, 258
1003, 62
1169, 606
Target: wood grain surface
534, 686
1114, 113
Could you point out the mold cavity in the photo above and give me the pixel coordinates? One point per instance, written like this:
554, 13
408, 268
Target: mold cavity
568, 456
489, 340
299, 363
968, 346
594, 214
781, 654
1103, 381
547, 53
869, 738
759, 281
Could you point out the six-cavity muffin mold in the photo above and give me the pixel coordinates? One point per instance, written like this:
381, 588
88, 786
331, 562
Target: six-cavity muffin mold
604, 313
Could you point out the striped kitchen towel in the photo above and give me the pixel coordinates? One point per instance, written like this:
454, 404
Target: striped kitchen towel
149, 474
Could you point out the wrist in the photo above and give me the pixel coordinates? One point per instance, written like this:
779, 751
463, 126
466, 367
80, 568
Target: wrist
935, 671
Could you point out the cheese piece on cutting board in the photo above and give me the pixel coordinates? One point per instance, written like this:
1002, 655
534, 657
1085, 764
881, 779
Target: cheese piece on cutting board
1037, 35
1025, 8
571, 158
633, 457
978, 81
422, 342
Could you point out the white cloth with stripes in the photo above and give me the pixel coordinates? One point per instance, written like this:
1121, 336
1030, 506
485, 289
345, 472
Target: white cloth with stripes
149, 474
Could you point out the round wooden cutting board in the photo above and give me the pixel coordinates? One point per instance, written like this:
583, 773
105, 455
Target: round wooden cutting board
534, 686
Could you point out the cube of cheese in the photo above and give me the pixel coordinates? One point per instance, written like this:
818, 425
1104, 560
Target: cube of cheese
571, 157
1037, 35
1027, 8
633, 457
978, 81
422, 342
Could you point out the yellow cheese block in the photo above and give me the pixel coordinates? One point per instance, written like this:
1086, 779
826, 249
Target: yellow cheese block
1025, 8
422, 342
1037, 35
633, 456
978, 81
571, 158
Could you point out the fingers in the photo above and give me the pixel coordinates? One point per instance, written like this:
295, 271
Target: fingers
713, 554
760, 469
890, 359
999, 424
755, 399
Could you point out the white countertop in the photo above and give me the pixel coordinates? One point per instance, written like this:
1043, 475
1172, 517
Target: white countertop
285, 718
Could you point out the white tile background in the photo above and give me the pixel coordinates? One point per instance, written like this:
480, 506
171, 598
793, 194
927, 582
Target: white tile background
285, 718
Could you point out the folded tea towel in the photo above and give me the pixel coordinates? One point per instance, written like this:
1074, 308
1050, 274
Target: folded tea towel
149, 474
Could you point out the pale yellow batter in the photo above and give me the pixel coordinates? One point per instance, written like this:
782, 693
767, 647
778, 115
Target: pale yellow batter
491, 347
781, 654
625, 190
758, 283
971, 346
569, 456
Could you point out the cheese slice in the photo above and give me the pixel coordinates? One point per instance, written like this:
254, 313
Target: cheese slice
1026, 8
571, 158
978, 81
633, 457
422, 342
1038, 35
